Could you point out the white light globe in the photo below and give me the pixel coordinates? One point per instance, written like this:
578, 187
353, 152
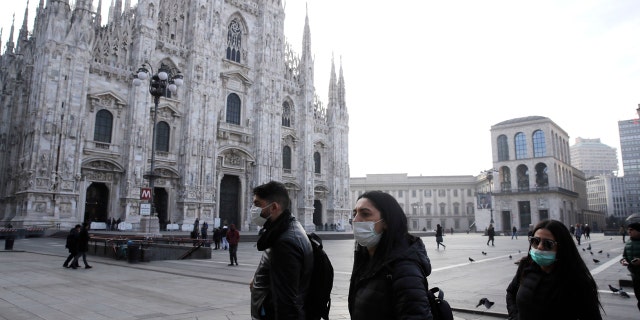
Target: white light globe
142, 75
137, 82
163, 75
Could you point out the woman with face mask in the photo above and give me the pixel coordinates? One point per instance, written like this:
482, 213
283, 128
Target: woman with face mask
390, 265
552, 281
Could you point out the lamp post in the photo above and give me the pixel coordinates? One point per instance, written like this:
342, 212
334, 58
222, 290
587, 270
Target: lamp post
166, 79
489, 175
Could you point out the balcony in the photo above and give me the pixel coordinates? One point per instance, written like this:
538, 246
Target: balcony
535, 190
101, 147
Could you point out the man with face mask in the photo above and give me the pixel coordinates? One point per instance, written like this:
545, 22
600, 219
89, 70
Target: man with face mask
281, 281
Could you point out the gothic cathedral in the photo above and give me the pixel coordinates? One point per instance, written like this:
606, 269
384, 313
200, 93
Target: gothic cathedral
76, 136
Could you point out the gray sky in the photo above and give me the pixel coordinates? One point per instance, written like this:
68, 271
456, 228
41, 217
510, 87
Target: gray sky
426, 80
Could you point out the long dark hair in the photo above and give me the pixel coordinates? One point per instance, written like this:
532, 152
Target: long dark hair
569, 264
396, 233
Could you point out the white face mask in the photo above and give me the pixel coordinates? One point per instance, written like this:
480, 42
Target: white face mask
365, 234
256, 217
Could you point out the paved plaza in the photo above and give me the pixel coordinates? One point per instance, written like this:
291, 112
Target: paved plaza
34, 285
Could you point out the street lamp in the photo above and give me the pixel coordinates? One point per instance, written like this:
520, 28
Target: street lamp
489, 175
166, 79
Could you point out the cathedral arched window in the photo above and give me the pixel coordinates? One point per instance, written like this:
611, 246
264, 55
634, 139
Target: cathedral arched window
286, 114
286, 158
103, 126
521, 145
539, 145
233, 109
503, 148
316, 162
234, 41
162, 136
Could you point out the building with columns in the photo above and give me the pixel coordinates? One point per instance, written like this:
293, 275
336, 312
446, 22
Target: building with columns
76, 136
530, 179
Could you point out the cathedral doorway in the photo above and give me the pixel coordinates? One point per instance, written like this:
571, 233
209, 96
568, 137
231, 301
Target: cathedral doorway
230, 201
97, 203
161, 204
317, 214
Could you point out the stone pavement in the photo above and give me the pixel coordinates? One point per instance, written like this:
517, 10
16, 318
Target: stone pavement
34, 285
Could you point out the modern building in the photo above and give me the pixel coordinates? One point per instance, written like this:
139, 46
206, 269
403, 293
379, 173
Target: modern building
426, 200
629, 131
76, 135
605, 194
535, 179
594, 157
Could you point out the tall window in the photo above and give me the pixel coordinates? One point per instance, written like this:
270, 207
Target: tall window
428, 208
521, 146
233, 109
316, 162
286, 158
539, 146
286, 114
442, 209
162, 136
503, 148
234, 41
104, 123
542, 179
523, 178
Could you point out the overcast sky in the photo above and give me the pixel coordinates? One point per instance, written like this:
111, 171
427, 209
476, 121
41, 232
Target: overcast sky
426, 80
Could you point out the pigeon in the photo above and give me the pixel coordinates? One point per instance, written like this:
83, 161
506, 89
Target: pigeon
589, 247
484, 253
610, 238
607, 254
591, 252
623, 293
600, 251
471, 259
519, 251
510, 257
583, 249
618, 291
484, 301
596, 260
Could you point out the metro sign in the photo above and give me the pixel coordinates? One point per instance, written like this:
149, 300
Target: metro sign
145, 193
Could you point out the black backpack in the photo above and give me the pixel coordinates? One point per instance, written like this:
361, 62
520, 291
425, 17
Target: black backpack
318, 300
440, 308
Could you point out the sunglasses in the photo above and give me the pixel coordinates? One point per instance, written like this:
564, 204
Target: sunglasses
547, 244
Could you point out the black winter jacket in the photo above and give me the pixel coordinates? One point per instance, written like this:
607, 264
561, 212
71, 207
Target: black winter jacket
283, 275
83, 240
541, 295
394, 289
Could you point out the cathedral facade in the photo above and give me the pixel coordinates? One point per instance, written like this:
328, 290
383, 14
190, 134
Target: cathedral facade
76, 136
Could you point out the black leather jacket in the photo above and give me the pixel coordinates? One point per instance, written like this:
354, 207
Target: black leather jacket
282, 278
394, 289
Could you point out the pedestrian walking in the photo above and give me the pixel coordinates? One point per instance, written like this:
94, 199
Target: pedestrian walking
225, 242
491, 232
552, 281
203, 230
281, 282
390, 264
72, 246
631, 254
623, 233
217, 237
439, 239
587, 231
578, 233
514, 232
83, 245
233, 236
